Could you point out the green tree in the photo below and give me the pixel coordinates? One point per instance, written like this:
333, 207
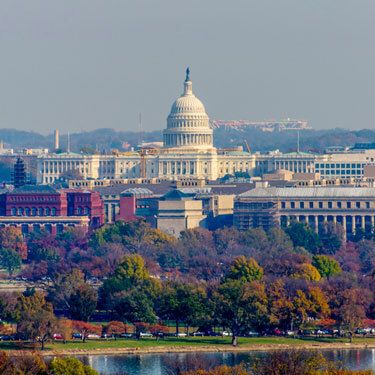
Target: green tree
70, 366
82, 302
326, 265
182, 303
245, 269
10, 260
302, 235
241, 306
70, 291
131, 291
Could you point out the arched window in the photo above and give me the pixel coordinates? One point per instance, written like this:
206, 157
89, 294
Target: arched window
14, 211
33, 211
79, 211
48, 211
53, 211
87, 211
20, 211
41, 211
27, 211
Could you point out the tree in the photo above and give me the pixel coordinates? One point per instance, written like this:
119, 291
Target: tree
241, 306
327, 266
130, 283
306, 271
83, 302
36, 320
10, 260
116, 328
302, 235
70, 291
85, 329
70, 366
182, 303
12, 238
332, 237
245, 270
65, 329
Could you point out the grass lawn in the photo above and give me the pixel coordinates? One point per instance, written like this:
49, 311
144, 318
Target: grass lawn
189, 341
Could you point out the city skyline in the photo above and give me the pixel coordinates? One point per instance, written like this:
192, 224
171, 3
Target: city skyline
87, 65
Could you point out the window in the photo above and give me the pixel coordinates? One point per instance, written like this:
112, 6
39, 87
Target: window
348, 204
283, 205
329, 204
338, 204
320, 204
53, 211
367, 204
358, 204
292, 205
301, 204
311, 204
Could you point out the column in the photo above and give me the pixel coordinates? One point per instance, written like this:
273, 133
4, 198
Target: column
316, 223
363, 223
307, 220
344, 224
353, 224
334, 219
287, 221
372, 223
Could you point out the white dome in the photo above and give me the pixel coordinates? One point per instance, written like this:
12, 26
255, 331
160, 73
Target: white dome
188, 123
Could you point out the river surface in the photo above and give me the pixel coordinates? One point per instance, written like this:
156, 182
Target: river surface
168, 364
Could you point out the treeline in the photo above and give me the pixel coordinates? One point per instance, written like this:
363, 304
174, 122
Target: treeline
239, 281
310, 140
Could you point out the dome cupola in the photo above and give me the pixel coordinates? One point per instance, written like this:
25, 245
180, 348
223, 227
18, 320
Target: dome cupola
188, 123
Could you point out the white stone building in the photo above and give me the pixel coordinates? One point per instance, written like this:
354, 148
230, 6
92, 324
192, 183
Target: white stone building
188, 152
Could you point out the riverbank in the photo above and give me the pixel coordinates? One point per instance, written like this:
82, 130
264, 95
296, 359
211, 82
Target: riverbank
174, 345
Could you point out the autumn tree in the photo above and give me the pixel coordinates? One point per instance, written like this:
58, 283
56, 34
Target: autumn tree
70, 366
86, 329
35, 317
326, 265
12, 238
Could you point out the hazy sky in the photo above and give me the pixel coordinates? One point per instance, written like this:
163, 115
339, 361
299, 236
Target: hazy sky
84, 64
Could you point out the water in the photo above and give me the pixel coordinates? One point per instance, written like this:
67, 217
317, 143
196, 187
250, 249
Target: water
166, 364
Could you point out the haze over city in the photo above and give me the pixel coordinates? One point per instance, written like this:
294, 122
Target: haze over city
82, 65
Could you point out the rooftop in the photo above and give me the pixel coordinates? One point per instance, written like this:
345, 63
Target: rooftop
314, 192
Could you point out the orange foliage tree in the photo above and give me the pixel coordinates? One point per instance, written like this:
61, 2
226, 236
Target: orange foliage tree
85, 329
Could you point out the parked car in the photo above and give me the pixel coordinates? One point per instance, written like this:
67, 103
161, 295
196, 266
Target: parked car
127, 335
57, 336
77, 335
6, 338
145, 334
226, 333
181, 334
93, 336
198, 333
252, 334
290, 333
277, 332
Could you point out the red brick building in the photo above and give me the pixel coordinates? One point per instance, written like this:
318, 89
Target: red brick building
33, 207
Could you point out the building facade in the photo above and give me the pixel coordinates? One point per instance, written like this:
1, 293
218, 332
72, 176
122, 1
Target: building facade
351, 207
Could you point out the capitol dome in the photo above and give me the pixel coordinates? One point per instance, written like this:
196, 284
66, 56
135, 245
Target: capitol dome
188, 123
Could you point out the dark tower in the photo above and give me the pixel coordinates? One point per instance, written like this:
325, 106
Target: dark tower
19, 175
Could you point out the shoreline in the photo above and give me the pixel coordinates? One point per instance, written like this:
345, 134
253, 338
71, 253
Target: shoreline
190, 349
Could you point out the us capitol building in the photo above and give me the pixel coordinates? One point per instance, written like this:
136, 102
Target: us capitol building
188, 153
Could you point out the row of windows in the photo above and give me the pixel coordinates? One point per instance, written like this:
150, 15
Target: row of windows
33, 199
327, 205
342, 166
33, 211
341, 172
